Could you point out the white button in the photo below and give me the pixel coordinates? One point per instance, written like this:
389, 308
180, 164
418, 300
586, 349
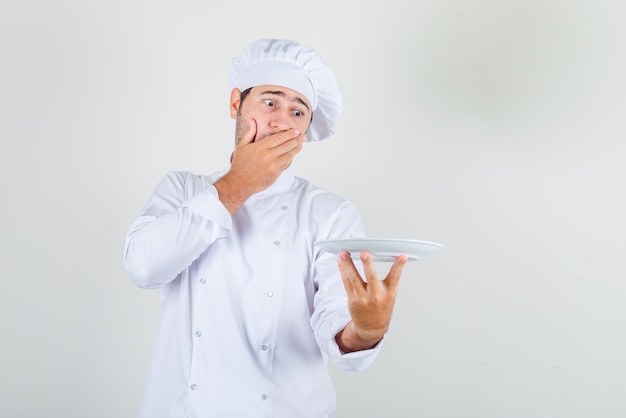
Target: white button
270, 294
198, 334
203, 280
263, 397
264, 347
193, 387
284, 207
276, 243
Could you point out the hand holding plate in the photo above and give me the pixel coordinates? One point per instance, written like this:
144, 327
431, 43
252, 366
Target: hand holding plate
370, 301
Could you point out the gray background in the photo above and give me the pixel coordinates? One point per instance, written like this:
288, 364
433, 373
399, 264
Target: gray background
493, 127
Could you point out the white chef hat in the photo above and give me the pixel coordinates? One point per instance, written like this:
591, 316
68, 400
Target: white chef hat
295, 66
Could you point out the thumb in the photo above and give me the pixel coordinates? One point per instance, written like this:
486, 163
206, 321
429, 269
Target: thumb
250, 133
393, 278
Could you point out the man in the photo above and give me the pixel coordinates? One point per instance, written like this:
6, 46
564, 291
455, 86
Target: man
250, 307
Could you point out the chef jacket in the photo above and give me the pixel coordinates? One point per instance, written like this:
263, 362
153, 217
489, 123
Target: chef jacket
249, 305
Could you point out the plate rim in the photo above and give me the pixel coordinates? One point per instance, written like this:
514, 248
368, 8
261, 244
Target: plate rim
376, 239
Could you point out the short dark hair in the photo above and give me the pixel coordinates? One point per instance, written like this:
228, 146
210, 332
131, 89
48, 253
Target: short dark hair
244, 94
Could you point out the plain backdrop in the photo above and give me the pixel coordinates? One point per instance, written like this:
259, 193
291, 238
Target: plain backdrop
496, 128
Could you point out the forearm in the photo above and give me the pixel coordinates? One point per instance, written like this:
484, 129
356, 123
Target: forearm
182, 218
157, 250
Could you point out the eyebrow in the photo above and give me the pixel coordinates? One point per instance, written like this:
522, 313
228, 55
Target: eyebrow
282, 94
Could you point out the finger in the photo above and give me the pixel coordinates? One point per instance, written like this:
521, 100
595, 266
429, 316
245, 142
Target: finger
393, 277
280, 138
288, 151
369, 268
250, 134
342, 260
291, 144
348, 272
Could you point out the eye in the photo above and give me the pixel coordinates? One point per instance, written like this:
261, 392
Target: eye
270, 102
298, 113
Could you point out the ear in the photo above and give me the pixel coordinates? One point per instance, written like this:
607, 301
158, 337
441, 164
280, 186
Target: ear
235, 102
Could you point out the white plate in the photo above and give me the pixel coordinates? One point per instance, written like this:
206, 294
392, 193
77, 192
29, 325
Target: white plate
381, 249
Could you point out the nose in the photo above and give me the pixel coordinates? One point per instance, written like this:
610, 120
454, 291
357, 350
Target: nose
280, 121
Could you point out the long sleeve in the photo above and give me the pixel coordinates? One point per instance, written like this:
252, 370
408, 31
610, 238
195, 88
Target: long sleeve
249, 305
331, 313
182, 218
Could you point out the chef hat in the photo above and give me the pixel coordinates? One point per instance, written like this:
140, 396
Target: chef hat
295, 66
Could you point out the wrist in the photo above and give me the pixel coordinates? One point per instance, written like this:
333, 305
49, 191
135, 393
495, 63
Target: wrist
351, 338
230, 194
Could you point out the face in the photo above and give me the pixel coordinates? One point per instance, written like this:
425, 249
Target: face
273, 108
